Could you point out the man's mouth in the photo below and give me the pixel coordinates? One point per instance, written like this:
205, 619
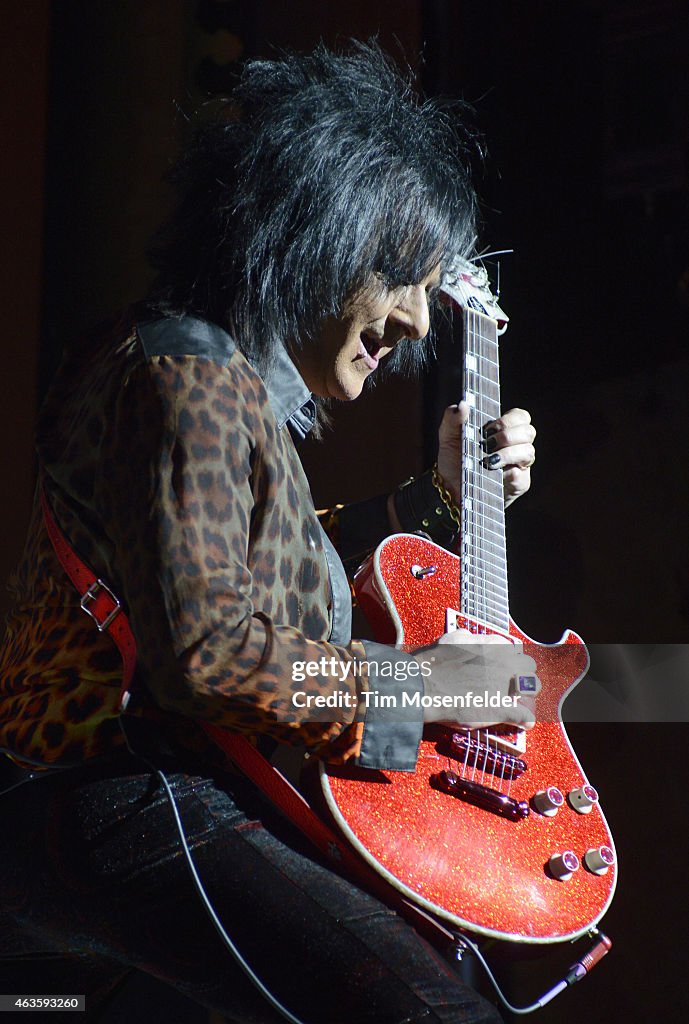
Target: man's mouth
371, 345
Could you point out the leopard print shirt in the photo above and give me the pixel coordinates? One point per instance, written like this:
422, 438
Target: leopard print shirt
167, 469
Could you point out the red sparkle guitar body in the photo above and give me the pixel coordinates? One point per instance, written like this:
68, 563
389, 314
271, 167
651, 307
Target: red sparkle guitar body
464, 863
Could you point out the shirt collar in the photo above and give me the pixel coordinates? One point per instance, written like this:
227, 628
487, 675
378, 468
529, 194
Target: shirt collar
290, 399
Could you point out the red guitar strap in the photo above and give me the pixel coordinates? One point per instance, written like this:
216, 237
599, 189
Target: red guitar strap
101, 604
96, 599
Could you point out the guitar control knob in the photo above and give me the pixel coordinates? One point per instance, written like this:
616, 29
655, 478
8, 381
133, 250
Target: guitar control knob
598, 859
563, 865
583, 799
548, 801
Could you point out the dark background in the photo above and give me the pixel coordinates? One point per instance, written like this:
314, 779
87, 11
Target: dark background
585, 110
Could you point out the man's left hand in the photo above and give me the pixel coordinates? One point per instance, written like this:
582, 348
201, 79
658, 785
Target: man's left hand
510, 438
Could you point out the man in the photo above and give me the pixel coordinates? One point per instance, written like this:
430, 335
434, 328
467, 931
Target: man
306, 253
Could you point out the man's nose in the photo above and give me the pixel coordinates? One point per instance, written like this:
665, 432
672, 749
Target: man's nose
412, 313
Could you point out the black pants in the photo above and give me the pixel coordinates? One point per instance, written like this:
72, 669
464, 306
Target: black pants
94, 884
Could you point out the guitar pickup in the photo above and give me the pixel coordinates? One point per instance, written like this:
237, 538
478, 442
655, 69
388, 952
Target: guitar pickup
482, 796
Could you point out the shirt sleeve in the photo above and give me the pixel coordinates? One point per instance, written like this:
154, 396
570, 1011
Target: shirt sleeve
177, 500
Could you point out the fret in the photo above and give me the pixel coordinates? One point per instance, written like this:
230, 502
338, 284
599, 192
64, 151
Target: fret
474, 532
485, 513
483, 572
487, 389
487, 487
490, 503
491, 483
487, 384
495, 592
492, 551
487, 545
486, 610
486, 507
487, 362
479, 584
481, 568
487, 493
490, 562
493, 604
485, 370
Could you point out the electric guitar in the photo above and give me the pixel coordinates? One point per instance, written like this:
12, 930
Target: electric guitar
498, 831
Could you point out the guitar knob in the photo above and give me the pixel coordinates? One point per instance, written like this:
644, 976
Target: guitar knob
548, 801
583, 799
563, 865
598, 859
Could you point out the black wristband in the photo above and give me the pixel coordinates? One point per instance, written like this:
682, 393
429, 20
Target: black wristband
420, 508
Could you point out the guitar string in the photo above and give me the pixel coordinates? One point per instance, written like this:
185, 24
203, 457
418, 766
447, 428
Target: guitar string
483, 519
492, 346
479, 609
479, 406
473, 509
474, 418
474, 593
468, 539
503, 566
479, 411
484, 418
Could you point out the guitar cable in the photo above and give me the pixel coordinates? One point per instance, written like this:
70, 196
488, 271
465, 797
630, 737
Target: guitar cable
576, 972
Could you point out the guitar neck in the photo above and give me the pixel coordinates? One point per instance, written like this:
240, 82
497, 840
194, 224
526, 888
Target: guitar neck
483, 583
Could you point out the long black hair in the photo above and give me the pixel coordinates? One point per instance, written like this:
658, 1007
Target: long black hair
322, 170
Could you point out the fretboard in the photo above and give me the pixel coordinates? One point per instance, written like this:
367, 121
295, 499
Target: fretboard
483, 587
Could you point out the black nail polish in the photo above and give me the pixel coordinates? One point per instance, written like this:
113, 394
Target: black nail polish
490, 444
491, 461
488, 430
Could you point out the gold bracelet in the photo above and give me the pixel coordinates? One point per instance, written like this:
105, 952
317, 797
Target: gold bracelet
446, 496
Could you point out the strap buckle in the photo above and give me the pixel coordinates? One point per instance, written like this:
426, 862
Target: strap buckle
94, 592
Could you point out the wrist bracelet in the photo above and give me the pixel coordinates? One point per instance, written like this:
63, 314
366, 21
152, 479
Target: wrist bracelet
446, 496
425, 505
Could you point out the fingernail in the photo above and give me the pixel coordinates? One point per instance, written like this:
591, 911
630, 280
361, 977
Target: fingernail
455, 408
490, 444
489, 430
491, 461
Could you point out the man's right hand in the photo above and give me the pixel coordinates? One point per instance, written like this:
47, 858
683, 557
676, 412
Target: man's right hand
477, 667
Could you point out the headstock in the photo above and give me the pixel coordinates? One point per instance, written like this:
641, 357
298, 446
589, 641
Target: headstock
467, 285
